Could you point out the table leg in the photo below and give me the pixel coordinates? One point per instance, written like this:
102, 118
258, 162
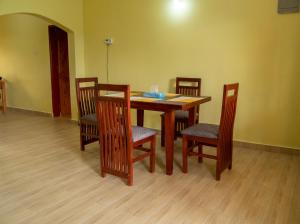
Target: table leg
192, 121
140, 117
169, 140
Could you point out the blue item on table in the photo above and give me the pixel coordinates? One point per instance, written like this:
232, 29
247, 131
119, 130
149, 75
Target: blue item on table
158, 95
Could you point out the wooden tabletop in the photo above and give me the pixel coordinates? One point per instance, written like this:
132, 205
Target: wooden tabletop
169, 102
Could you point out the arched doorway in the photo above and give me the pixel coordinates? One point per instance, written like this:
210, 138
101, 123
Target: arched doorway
27, 65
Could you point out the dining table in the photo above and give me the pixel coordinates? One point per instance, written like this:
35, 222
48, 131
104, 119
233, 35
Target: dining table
168, 104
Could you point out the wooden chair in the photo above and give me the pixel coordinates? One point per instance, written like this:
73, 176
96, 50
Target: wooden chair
85, 89
116, 135
219, 136
187, 87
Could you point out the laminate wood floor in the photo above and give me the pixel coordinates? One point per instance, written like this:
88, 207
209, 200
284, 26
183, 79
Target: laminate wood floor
45, 178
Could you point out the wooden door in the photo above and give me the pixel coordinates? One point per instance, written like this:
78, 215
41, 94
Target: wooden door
60, 81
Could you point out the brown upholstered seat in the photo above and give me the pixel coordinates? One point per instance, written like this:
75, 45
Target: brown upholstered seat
139, 133
89, 117
181, 114
202, 130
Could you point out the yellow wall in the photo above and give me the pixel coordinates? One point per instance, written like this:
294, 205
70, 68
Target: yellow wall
25, 62
67, 14
219, 41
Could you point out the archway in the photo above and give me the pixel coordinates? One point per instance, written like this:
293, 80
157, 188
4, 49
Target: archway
27, 67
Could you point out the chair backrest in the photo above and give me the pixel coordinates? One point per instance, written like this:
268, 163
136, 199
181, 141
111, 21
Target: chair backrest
230, 94
115, 132
188, 86
85, 95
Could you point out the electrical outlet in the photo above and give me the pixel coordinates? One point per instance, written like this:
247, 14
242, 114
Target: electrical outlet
108, 41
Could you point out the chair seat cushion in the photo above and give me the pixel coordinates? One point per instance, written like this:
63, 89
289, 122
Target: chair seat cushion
89, 117
202, 130
139, 133
181, 114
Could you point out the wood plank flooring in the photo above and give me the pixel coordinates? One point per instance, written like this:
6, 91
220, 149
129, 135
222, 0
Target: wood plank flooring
45, 178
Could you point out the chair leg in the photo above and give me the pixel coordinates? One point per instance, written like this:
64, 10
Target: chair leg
101, 160
81, 139
230, 165
218, 170
162, 136
130, 174
152, 155
176, 129
184, 154
129, 181
230, 160
103, 174
200, 159
218, 175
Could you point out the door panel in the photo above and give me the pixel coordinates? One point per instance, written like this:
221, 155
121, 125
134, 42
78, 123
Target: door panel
64, 81
60, 81
53, 45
